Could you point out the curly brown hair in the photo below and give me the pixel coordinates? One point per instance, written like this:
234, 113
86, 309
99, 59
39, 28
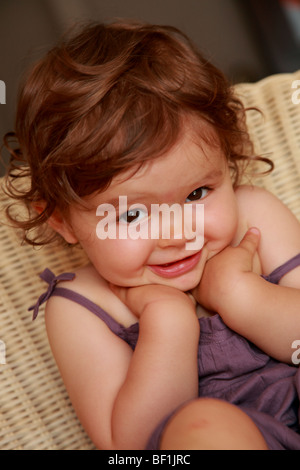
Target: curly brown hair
109, 98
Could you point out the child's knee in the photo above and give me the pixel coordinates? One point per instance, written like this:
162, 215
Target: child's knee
208, 423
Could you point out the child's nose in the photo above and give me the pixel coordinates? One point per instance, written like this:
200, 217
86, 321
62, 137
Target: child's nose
183, 226
170, 225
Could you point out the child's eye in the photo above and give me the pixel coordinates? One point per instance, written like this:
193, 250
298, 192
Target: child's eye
133, 215
197, 194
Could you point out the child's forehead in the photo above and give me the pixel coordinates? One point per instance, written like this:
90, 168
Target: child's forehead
194, 158
195, 148
189, 160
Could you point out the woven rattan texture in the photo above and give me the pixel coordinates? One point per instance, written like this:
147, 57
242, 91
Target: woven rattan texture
35, 412
276, 133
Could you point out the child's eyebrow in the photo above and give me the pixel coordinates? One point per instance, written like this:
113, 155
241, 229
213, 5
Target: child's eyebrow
143, 197
131, 199
207, 178
213, 174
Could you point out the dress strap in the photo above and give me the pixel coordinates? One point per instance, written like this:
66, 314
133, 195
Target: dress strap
70, 294
52, 280
285, 268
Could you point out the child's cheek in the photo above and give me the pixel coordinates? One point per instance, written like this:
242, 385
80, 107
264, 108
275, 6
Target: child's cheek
123, 259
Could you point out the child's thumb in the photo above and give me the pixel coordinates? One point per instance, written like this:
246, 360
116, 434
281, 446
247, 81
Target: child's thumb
250, 240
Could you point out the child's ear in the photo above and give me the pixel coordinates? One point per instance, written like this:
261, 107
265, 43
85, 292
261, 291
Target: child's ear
58, 223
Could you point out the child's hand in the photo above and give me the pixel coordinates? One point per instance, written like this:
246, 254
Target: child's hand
139, 298
219, 288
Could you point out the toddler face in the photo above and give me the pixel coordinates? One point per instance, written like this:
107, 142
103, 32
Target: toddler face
188, 175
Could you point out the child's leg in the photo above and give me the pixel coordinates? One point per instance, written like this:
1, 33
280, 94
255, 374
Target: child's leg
210, 424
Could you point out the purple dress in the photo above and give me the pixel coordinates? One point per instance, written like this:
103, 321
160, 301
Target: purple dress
230, 368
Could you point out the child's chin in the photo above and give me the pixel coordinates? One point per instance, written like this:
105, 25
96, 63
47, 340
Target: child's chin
183, 284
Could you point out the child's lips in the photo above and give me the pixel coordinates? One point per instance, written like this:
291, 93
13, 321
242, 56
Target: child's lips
176, 268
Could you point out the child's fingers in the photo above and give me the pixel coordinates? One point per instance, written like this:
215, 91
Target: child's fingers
250, 240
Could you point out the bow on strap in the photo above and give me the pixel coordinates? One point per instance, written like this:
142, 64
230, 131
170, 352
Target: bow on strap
52, 280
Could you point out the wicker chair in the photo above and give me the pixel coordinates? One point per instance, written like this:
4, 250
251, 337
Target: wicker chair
35, 411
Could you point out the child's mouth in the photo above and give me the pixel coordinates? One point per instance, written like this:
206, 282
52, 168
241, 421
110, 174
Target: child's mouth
177, 268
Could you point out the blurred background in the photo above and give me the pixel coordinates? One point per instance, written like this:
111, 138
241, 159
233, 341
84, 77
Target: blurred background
247, 39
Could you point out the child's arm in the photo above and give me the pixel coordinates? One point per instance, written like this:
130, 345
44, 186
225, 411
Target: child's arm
266, 314
120, 395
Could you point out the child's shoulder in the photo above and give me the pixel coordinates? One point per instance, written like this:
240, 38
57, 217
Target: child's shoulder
280, 229
86, 281
252, 203
260, 206
249, 196
91, 285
